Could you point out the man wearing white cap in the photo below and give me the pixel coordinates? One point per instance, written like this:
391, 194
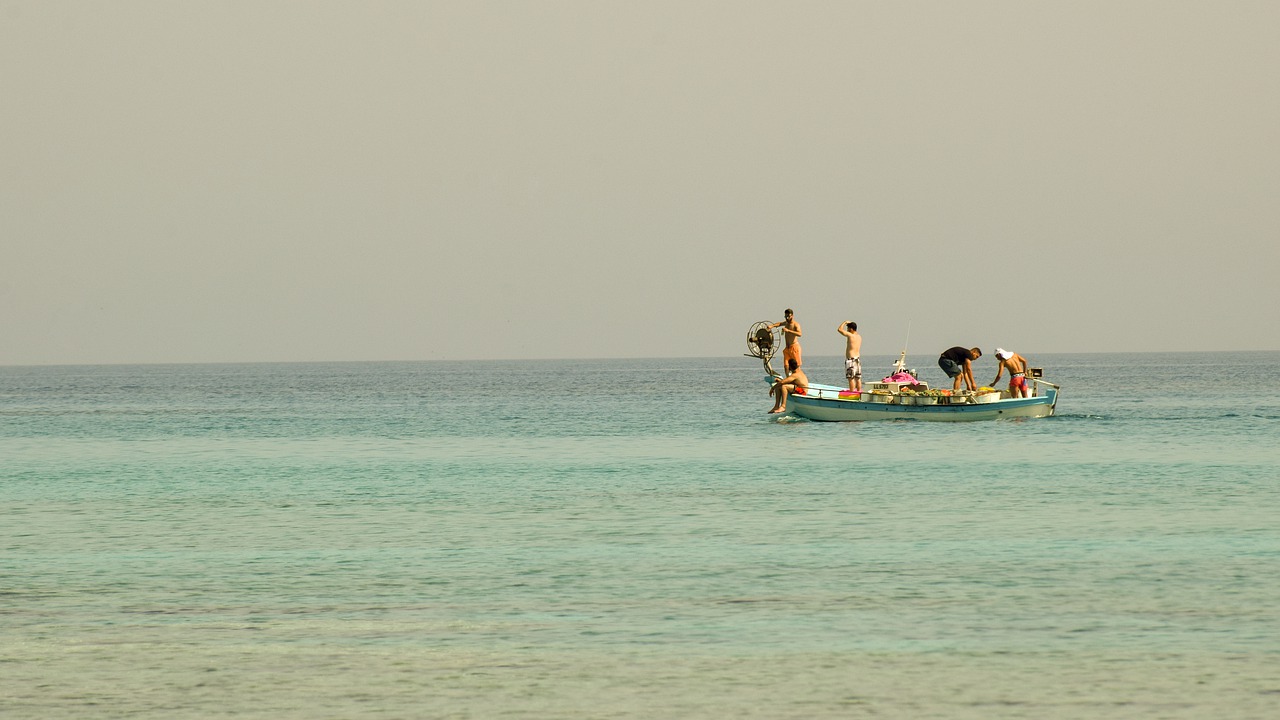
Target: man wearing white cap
1017, 366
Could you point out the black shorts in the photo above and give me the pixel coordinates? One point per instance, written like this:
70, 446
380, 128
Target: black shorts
950, 367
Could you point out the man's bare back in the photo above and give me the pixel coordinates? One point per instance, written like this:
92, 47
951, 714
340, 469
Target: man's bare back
853, 341
1017, 367
852, 353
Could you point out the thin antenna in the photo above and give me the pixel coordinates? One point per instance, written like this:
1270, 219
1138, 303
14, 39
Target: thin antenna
901, 364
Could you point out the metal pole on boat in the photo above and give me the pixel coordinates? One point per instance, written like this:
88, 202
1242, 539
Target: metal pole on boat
901, 364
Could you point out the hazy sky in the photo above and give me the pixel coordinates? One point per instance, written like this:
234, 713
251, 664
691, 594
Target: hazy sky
414, 180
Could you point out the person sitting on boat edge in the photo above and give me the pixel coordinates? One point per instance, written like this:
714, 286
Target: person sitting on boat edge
794, 383
1017, 366
957, 363
791, 337
852, 354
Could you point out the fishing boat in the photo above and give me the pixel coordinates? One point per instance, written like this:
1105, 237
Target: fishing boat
901, 397
833, 404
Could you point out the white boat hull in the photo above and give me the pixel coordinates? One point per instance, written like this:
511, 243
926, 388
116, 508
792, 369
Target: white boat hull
824, 404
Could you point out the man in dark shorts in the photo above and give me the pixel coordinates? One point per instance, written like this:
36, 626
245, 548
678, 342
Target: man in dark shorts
957, 363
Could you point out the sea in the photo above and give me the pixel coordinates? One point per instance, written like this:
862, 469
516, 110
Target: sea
634, 539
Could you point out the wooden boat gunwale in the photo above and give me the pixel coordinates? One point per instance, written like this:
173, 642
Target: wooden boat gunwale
823, 403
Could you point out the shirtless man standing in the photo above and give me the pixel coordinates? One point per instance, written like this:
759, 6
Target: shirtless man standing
852, 354
1017, 366
791, 335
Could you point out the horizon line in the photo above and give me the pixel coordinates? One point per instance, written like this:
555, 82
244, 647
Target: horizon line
557, 359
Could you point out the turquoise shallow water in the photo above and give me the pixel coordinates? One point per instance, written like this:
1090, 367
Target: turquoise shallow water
633, 538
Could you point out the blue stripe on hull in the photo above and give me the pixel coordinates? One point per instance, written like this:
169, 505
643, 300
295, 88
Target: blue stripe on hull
829, 410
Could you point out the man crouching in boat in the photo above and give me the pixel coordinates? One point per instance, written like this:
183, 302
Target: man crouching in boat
795, 383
